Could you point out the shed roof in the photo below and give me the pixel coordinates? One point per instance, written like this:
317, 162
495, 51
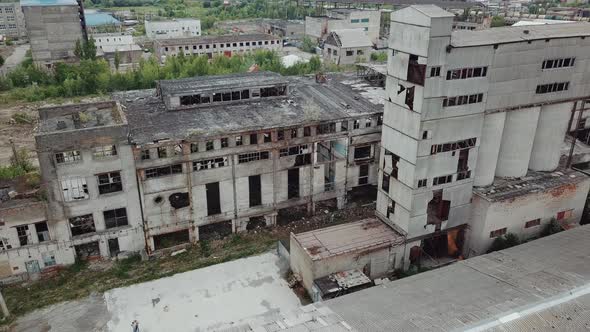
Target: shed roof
514, 34
346, 238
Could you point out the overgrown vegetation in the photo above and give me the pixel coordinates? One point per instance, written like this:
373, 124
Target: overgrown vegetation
504, 242
379, 56
497, 21
20, 165
90, 77
308, 45
552, 227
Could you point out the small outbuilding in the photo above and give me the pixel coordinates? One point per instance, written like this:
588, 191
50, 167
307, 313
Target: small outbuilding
347, 46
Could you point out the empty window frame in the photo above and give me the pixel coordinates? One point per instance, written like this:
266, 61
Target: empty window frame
434, 71
248, 157
82, 225
306, 131
209, 145
162, 152
422, 183
115, 218
239, 140
194, 147
23, 234
327, 128
68, 157
498, 232
280, 135
385, 183
464, 73
224, 142
42, 231
442, 180
463, 100
109, 182
562, 215
362, 152
273, 91
451, 146
163, 171
552, 87
532, 223
253, 139
558, 63
145, 154
267, 138
74, 189
210, 163
294, 150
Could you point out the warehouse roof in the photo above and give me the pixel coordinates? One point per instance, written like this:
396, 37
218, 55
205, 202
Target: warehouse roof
366, 234
307, 102
48, 3
511, 34
216, 39
534, 182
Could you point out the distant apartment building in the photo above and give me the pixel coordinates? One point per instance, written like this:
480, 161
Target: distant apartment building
178, 28
319, 27
12, 20
54, 27
346, 47
210, 46
462, 112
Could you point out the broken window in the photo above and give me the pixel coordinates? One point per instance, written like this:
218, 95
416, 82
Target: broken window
209, 145
451, 146
303, 159
255, 190
349, 53
363, 174
253, 138
385, 183
552, 87
210, 163
145, 154
224, 142
267, 137
410, 97
280, 135
293, 133
162, 152
327, 128
463, 100
23, 234
163, 171
74, 189
306, 131
294, 150
532, 223
293, 183
239, 140
438, 209
422, 183
498, 232
104, 151
416, 72
194, 147
562, 215
558, 63
172, 239
213, 200
82, 225
114, 249
68, 157
215, 231
464, 73
177, 150
253, 156
442, 180
179, 200
109, 183
42, 231
115, 218
87, 250
48, 258
368, 123
356, 124
344, 126
390, 208
362, 152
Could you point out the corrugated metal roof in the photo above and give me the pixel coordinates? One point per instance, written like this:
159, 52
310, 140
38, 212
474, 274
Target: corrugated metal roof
511, 34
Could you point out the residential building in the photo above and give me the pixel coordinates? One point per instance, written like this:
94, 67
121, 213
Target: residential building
462, 112
286, 29
319, 27
210, 46
54, 27
178, 28
12, 20
345, 47
190, 160
109, 44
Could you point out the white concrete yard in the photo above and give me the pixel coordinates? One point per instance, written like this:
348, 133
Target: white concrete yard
202, 299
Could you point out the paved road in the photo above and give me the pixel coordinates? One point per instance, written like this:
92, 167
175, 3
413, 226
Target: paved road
17, 56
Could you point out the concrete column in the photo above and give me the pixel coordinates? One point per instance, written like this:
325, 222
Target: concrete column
517, 142
549, 136
489, 149
340, 202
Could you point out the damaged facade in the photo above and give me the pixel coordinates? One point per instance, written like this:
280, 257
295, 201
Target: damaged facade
475, 108
193, 159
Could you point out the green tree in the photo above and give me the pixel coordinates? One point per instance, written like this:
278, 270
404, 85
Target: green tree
308, 45
498, 21
90, 49
1, 60
117, 60
315, 63
78, 49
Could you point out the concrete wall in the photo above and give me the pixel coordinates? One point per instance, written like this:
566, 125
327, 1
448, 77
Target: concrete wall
343, 56
173, 29
12, 20
487, 216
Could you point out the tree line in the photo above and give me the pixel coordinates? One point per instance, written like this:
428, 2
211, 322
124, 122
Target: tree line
93, 76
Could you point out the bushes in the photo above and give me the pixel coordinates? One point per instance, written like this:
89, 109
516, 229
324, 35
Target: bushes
504, 242
379, 56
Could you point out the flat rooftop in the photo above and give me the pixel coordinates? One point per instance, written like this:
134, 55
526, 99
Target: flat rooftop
214, 83
350, 237
343, 96
533, 182
216, 39
48, 3
79, 116
512, 34
541, 285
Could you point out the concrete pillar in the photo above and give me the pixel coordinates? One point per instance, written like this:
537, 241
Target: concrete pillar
517, 142
340, 202
549, 136
489, 149
271, 219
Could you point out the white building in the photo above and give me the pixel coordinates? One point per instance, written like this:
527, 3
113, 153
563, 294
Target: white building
109, 44
179, 28
345, 47
471, 108
12, 20
319, 27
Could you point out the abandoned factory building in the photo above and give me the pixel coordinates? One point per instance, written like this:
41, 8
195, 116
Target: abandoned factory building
202, 156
